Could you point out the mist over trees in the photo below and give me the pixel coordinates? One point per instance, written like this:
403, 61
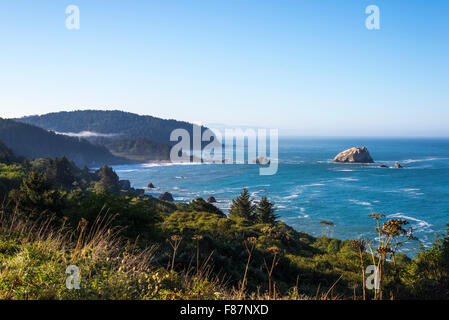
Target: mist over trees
125, 124
33, 142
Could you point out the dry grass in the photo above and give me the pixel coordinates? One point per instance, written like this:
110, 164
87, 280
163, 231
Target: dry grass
34, 256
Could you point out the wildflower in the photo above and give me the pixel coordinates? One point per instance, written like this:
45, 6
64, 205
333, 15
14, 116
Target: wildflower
252, 240
274, 250
176, 238
376, 216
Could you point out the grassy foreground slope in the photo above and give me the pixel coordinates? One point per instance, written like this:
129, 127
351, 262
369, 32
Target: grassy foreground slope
34, 257
128, 245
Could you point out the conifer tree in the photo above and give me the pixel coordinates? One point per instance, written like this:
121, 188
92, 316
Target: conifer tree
242, 208
200, 205
59, 172
36, 196
109, 181
265, 211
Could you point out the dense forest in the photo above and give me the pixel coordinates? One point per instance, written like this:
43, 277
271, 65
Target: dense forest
128, 135
129, 245
139, 149
33, 142
124, 124
6, 155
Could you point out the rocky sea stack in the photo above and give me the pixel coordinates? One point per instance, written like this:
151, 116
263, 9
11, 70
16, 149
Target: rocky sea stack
211, 199
262, 160
166, 196
354, 155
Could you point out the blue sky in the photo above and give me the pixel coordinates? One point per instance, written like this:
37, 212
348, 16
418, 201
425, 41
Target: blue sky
305, 67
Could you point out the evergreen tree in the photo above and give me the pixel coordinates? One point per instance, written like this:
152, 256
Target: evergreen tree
109, 181
200, 205
265, 211
36, 196
59, 172
242, 208
6, 155
3, 190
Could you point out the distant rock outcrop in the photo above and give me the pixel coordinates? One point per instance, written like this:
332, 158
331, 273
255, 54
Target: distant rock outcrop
150, 186
354, 155
211, 199
262, 160
166, 196
398, 166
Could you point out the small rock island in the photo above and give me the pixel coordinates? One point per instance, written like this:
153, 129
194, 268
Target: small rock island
354, 155
166, 196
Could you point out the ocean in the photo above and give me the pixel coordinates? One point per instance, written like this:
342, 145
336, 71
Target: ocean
309, 187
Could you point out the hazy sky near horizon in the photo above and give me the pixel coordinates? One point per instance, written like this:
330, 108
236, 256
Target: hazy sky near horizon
305, 67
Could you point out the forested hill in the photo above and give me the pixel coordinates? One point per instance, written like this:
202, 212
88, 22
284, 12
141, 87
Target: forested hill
6, 155
33, 142
123, 124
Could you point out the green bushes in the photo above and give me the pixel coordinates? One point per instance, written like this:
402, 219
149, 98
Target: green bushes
224, 240
427, 276
33, 265
137, 218
56, 209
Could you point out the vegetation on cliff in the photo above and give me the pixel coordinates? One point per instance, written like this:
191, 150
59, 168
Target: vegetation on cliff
128, 245
33, 142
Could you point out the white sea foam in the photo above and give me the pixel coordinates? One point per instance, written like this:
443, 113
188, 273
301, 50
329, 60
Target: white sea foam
421, 224
409, 161
293, 196
254, 193
169, 164
412, 191
362, 203
183, 199
348, 179
313, 185
423, 160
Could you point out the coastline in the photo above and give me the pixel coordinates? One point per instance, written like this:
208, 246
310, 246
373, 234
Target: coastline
308, 189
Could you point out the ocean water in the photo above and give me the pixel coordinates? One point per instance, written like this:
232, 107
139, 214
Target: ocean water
309, 187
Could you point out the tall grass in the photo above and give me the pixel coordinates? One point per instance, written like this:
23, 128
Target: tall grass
35, 254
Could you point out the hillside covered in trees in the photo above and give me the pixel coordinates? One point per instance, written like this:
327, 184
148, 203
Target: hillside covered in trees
128, 135
138, 149
125, 124
6, 155
33, 142
129, 245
